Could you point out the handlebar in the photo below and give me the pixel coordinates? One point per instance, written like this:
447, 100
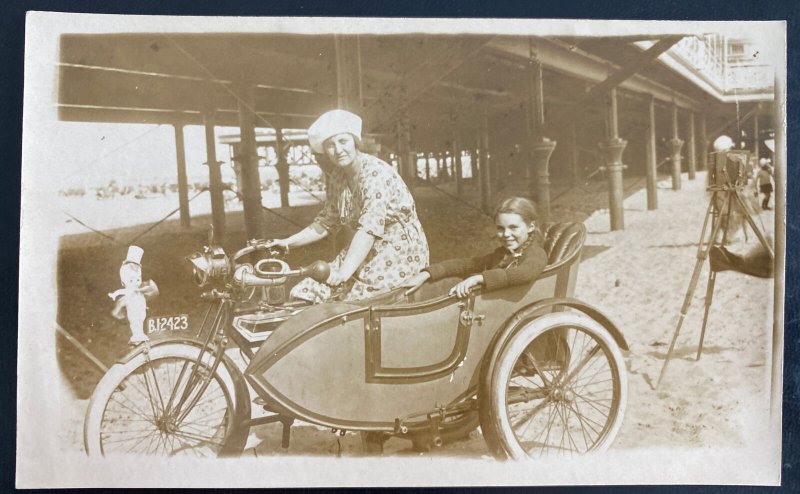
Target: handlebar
255, 245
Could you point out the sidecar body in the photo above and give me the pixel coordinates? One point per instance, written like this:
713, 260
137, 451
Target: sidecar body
395, 360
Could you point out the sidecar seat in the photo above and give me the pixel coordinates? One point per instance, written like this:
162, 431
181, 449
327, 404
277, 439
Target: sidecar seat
562, 243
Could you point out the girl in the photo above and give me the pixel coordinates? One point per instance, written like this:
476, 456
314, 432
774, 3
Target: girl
519, 260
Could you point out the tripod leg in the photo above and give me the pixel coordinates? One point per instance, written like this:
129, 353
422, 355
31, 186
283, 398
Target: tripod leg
684, 309
725, 219
702, 255
712, 278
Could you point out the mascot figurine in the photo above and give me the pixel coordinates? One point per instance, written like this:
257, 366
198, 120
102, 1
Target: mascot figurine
132, 297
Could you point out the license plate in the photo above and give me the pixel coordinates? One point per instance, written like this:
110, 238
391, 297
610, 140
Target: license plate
157, 324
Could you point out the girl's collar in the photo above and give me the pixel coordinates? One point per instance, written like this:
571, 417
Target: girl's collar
521, 249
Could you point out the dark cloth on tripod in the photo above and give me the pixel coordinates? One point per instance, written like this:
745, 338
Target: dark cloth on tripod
758, 262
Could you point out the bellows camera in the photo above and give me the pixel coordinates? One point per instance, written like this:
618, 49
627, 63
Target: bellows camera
728, 169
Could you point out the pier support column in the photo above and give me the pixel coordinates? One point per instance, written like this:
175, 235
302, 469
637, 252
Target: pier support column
183, 185
455, 160
281, 150
407, 166
675, 145
484, 166
248, 159
703, 143
574, 154
651, 169
613, 149
691, 151
214, 177
613, 153
542, 150
756, 139
348, 73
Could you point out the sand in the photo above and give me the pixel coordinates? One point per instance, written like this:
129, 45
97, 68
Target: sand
638, 277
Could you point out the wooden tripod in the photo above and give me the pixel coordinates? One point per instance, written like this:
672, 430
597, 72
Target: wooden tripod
730, 195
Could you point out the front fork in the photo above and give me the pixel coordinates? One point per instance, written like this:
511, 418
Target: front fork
175, 410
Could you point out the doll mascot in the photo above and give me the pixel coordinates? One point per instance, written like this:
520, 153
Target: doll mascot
132, 297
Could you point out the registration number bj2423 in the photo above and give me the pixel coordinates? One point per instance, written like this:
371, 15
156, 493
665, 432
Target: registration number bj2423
177, 322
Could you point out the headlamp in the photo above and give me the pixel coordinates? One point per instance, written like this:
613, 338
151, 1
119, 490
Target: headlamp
208, 265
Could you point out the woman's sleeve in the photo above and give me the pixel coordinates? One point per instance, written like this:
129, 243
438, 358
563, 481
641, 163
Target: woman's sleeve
462, 267
328, 218
375, 202
525, 272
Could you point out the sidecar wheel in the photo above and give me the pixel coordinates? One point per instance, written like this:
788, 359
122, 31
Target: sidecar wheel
559, 386
126, 414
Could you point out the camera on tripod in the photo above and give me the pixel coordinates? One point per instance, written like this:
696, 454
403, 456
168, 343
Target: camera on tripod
728, 169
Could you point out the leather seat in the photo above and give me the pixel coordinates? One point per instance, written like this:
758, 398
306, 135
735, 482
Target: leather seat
562, 241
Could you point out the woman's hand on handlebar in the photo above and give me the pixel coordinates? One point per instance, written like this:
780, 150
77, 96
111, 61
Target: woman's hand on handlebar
281, 244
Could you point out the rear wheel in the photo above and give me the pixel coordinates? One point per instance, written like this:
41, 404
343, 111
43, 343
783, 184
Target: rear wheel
559, 386
165, 402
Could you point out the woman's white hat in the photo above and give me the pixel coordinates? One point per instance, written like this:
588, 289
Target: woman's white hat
331, 123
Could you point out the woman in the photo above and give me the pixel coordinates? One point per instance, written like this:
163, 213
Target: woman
367, 195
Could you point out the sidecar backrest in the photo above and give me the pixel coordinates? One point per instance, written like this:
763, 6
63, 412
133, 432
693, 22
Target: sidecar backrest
562, 242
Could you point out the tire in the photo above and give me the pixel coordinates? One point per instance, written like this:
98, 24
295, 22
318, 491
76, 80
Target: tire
125, 414
577, 407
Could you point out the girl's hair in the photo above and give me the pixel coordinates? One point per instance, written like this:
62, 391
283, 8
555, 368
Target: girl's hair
517, 205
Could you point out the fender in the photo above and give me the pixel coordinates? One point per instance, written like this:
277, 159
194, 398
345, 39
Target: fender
242, 398
534, 310
162, 339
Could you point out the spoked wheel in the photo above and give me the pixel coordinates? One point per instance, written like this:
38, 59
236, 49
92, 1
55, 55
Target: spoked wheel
559, 386
165, 402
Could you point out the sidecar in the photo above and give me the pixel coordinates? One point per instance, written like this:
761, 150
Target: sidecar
543, 371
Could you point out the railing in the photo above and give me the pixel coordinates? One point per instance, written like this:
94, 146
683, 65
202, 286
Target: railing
704, 56
749, 78
724, 63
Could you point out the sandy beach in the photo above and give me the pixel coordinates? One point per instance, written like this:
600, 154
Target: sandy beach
638, 277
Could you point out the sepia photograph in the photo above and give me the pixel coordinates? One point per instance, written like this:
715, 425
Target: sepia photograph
270, 252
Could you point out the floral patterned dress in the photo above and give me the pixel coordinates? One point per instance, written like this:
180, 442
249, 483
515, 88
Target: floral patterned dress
383, 207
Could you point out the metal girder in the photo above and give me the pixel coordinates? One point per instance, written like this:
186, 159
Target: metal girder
564, 117
226, 117
562, 58
436, 66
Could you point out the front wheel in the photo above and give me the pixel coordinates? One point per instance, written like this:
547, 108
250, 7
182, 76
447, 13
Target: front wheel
559, 386
167, 401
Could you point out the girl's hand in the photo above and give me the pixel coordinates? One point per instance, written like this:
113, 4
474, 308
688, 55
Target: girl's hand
462, 288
